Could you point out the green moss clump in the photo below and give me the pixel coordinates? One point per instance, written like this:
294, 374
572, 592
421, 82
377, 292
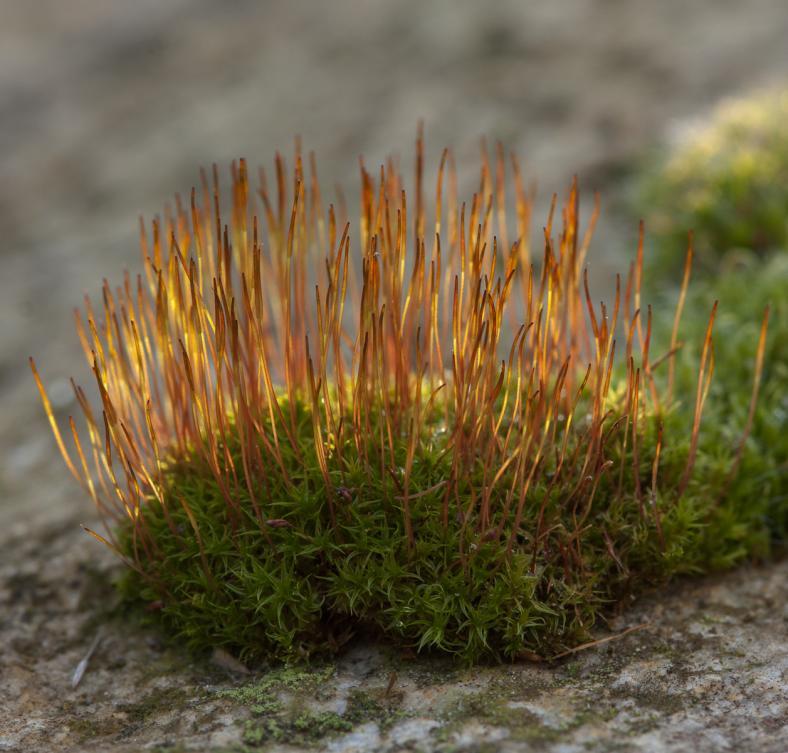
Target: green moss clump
727, 181
315, 587
756, 506
466, 457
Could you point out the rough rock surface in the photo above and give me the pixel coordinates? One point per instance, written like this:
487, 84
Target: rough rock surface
106, 109
707, 672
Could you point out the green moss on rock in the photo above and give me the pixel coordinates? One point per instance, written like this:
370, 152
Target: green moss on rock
727, 180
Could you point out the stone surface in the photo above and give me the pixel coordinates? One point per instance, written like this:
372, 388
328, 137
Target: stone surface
108, 108
707, 671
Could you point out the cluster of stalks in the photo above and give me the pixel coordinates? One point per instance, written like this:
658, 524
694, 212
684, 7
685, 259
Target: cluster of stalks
446, 373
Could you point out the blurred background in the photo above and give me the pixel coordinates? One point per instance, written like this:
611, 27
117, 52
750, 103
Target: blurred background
108, 108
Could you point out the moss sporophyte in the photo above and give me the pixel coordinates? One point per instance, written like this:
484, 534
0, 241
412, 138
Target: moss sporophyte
421, 427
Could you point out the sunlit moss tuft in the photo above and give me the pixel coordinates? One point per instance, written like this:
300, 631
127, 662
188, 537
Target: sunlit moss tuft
415, 429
